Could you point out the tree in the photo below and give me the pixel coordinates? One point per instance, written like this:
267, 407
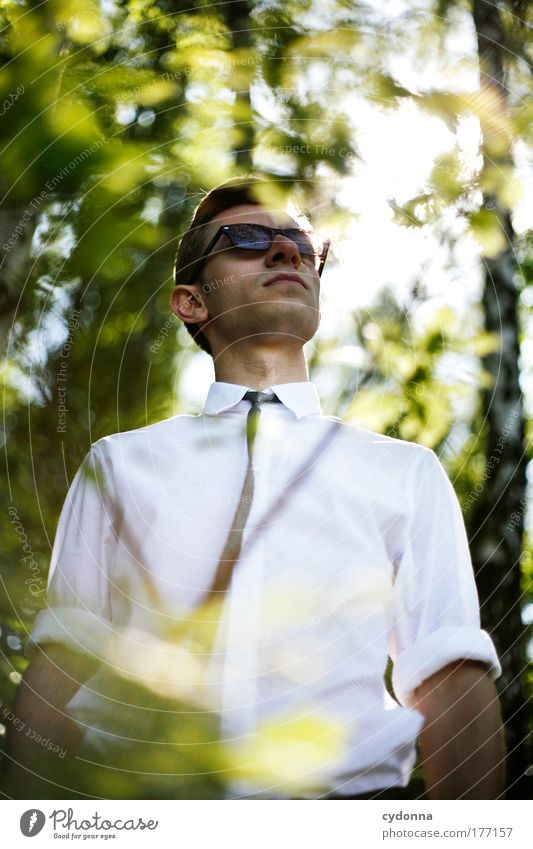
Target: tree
498, 521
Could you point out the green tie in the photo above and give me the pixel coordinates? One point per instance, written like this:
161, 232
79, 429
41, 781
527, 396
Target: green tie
232, 547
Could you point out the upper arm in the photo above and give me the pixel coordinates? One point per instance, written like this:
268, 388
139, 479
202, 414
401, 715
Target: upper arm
78, 613
435, 607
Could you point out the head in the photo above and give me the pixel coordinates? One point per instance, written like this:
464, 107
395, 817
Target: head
244, 297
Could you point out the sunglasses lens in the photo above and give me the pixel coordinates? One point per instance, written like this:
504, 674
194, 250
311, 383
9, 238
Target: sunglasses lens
305, 243
255, 237
252, 237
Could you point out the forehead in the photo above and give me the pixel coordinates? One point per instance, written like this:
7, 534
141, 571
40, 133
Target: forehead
254, 214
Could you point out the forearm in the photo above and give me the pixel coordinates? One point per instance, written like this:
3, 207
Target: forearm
30, 767
462, 742
42, 738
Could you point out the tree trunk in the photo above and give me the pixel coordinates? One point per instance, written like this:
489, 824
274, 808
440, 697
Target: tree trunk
498, 522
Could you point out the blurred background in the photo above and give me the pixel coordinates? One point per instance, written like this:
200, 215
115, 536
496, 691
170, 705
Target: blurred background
402, 130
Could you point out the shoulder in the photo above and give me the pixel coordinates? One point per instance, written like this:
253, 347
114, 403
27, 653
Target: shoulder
159, 434
378, 445
390, 469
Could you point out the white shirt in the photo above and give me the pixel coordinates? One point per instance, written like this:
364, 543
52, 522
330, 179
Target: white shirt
366, 558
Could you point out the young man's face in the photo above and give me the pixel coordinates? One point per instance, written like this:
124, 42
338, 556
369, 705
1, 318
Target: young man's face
267, 297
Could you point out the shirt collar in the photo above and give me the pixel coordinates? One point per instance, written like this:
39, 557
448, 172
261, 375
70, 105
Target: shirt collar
301, 398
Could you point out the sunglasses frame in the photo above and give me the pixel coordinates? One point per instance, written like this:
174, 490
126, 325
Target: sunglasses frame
226, 228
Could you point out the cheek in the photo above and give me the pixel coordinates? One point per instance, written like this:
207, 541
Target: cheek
222, 294
230, 281
223, 272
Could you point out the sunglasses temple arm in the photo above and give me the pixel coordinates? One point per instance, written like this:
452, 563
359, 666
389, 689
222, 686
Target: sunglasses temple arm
323, 260
208, 250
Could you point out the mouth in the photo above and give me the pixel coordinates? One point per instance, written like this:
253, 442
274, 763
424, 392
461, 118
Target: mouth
286, 277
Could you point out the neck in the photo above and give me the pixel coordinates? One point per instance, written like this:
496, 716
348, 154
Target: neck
258, 368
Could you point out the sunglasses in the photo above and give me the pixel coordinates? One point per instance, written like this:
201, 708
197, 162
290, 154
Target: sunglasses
257, 237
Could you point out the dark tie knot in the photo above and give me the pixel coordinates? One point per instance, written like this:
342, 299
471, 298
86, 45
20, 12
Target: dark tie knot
257, 398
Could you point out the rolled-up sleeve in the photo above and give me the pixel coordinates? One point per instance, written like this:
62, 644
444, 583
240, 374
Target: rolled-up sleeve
78, 611
435, 607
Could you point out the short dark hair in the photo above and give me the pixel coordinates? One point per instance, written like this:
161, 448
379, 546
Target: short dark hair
234, 192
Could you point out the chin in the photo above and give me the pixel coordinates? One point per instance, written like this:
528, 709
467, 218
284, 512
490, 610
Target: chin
291, 315
292, 333
295, 321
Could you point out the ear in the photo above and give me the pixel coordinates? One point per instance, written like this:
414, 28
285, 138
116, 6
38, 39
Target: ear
188, 303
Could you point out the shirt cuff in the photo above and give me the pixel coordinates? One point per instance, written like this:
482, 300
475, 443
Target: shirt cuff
76, 629
436, 650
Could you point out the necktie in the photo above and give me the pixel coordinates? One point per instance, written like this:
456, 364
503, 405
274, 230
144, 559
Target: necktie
232, 547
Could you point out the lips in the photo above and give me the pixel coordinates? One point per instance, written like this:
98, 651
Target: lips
286, 277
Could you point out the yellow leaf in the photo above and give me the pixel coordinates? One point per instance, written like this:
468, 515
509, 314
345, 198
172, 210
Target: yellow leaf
500, 181
294, 750
486, 343
374, 410
488, 232
73, 121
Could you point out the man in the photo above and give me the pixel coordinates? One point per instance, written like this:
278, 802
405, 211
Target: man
329, 547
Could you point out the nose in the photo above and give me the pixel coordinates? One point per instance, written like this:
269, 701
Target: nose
281, 249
